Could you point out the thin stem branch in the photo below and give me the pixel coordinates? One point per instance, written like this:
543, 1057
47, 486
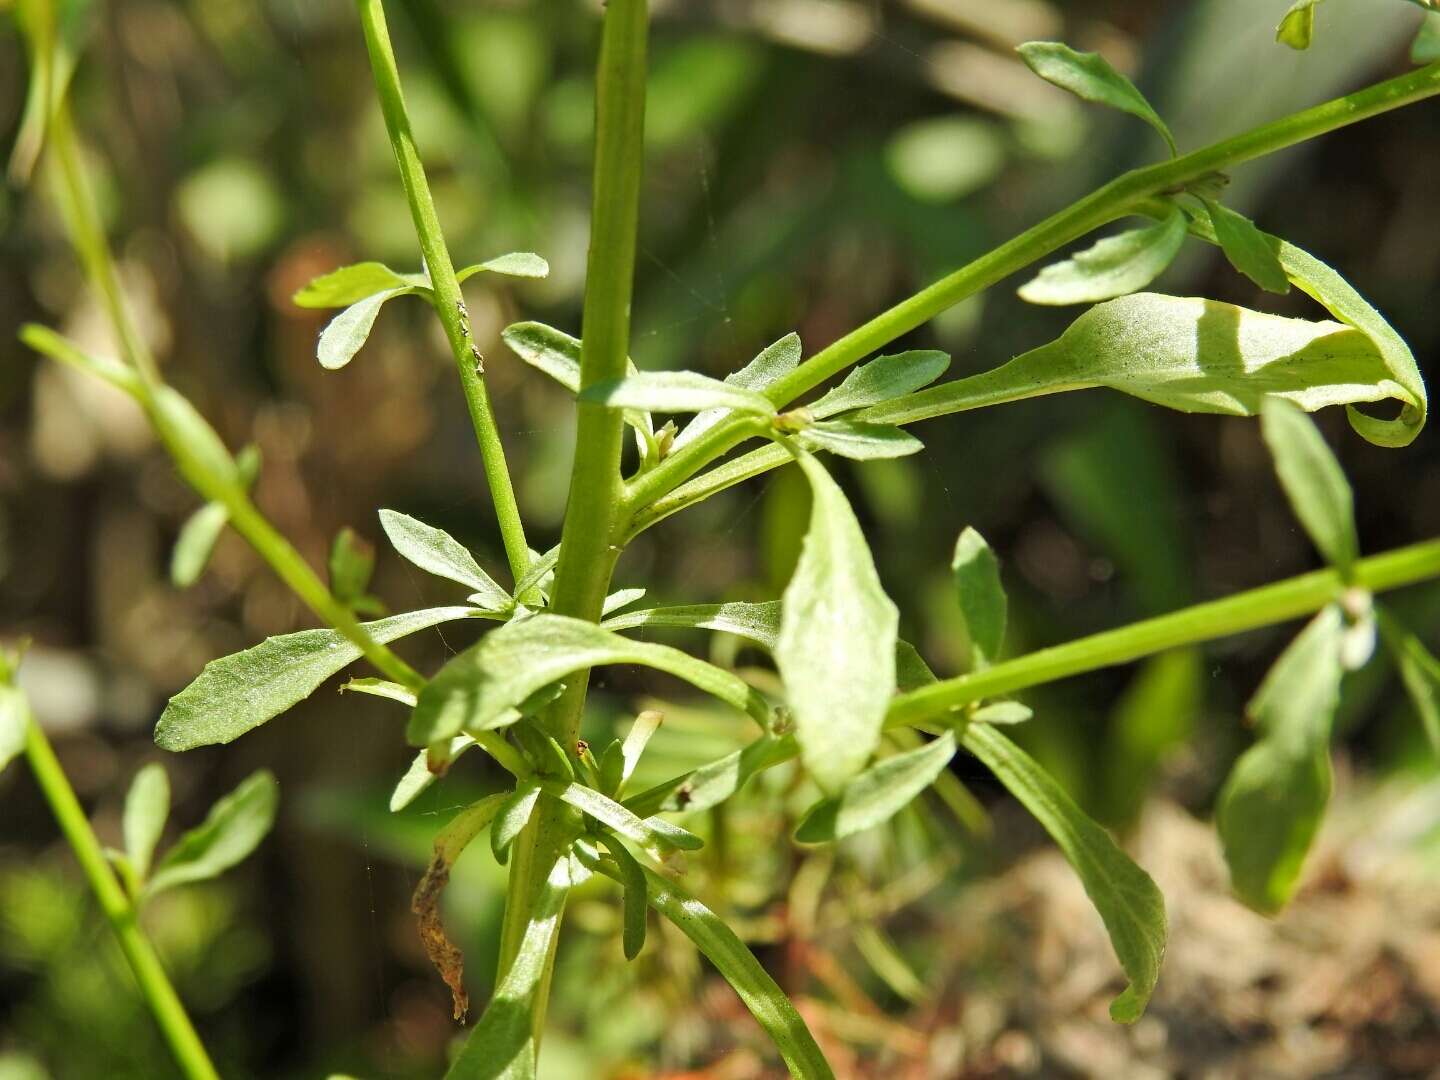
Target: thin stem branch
160, 996
88, 235
587, 545
1117, 199
448, 302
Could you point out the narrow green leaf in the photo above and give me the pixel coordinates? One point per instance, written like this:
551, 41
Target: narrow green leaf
632, 877
1419, 671
1002, 713
349, 285
382, 688
622, 598
1090, 76
418, 777
858, 440
651, 832
636, 739
514, 815
1270, 808
524, 264
610, 772
541, 572
14, 718
239, 692
437, 552
1297, 28
346, 333
1425, 49
1115, 266
759, 623
882, 379
676, 391
200, 454
351, 565
48, 343
877, 794
1247, 248
502, 1044
1127, 899
1313, 481
230, 832
836, 650
543, 347
712, 784
981, 596
477, 689
774, 362
195, 543
765, 1000
147, 805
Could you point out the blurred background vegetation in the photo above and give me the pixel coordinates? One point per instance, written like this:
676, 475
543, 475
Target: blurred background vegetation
811, 162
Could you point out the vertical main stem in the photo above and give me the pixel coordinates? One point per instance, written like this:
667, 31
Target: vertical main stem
588, 548
154, 984
448, 302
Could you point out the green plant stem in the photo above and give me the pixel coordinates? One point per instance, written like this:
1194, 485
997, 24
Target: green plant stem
88, 235
1119, 198
1265, 606
448, 302
587, 544
154, 984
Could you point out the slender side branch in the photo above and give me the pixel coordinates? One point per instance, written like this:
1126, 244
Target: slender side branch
88, 235
1120, 197
160, 996
448, 302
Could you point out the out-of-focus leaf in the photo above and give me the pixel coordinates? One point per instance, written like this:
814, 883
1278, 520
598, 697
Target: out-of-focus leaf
836, 650
480, 688
239, 692
147, 805
195, 543
1270, 808
1313, 481
200, 454
676, 391
347, 332
1115, 266
352, 562
880, 380
1154, 716
1425, 49
230, 832
1247, 249
1419, 671
1127, 899
349, 285
1297, 28
48, 343
14, 719
1090, 76
774, 362
523, 264
981, 596
877, 794
437, 552
859, 441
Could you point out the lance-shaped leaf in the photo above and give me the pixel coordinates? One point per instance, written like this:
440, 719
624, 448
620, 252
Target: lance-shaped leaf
1090, 76
650, 833
230, 832
636, 739
239, 692
759, 623
1419, 671
1270, 808
1197, 355
514, 815
858, 440
1247, 248
349, 284
632, 877
418, 777
1115, 266
347, 332
981, 596
676, 391
880, 380
1313, 481
774, 362
709, 933
48, 343
838, 629
200, 454
712, 784
14, 721
502, 1044
524, 264
1297, 28
877, 794
1128, 901
480, 688
147, 805
196, 541
1425, 49
437, 552
622, 598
